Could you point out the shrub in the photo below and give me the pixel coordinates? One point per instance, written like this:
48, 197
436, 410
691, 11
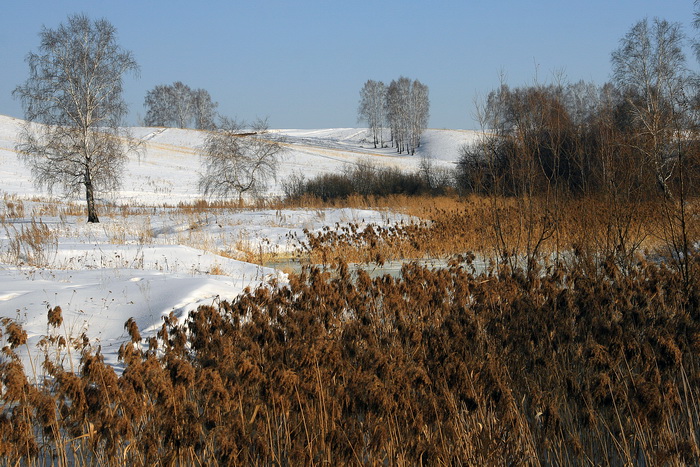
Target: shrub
369, 180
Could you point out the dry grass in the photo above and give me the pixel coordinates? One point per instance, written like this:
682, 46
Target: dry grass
33, 243
506, 230
13, 208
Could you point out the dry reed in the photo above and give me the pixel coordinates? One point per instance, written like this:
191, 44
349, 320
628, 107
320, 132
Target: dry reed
436, 367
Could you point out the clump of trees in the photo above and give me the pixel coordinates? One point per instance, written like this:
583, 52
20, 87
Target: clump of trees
179, 106
74, 89
628, 142
538, 137
403, 106
580, 138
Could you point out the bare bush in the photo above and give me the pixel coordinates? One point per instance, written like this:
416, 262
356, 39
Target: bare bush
371, 180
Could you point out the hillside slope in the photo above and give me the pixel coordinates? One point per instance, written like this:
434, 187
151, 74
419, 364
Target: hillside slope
166, 169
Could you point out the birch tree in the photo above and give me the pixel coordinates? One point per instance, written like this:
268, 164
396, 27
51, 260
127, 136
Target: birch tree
203, 109
181, 104
660, 93
158, 103
397, 108
239, 161
74, 93
419, 112
649, 69
372, 109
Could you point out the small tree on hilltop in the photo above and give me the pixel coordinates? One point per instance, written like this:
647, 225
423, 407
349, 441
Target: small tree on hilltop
74, 90
178, 105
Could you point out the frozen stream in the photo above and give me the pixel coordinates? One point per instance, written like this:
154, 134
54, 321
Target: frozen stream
392, 268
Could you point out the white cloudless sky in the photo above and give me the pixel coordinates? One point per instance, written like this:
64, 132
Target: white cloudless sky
302, 63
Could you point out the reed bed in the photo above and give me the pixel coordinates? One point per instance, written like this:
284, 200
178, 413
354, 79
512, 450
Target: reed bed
438, 367
499, 229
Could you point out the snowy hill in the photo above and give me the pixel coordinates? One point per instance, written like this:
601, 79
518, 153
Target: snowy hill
166, 171
146, 260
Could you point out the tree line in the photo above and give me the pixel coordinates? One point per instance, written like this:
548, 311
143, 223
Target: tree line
74, 89
624, 145
403, 107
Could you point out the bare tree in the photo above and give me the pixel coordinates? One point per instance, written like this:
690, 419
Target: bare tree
75, 90
372, 109
397, 100
204, 110
181, 104
239, 161
696, 25
419, 112
660, 92
178, 105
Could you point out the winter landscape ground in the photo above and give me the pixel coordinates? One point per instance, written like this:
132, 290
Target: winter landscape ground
148, 257
176, 342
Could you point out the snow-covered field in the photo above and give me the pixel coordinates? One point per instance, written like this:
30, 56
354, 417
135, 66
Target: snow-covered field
147, 258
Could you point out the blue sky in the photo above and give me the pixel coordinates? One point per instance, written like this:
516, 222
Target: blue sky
302, 63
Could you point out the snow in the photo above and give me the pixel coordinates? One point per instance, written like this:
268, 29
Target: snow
157, 259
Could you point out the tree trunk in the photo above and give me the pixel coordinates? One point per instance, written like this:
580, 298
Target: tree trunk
90, 197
